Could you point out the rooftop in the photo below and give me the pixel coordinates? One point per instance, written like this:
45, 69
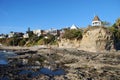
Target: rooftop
96, 18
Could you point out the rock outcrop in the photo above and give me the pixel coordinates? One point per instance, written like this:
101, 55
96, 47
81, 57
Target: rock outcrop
67, 43
97, 39
94, 39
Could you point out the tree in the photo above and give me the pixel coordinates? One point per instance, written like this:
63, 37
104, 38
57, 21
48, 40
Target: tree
114, 25
115, 32
22, 42
49, 39
118, 22
105, 23
30, 34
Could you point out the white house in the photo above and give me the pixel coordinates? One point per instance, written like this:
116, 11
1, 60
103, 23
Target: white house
37, 32
73, 27
96, 21
26, 35
11, 34
2, 36
53, 31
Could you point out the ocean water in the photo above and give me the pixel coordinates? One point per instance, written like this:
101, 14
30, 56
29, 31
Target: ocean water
4, 55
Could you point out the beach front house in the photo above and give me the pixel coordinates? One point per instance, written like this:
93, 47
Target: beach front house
96, 21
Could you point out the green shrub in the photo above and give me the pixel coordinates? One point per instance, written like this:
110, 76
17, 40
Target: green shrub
40, 42
22, 42
115, 32
73, 34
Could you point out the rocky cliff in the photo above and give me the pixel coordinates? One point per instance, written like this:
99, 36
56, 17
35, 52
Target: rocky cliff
97, 39
94, 39
67, 43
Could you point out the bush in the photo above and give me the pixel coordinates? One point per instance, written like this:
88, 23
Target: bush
40, 42
50, 39
115, 32
22, 42
73, 34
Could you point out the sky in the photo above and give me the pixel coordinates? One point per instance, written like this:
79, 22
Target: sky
18, 15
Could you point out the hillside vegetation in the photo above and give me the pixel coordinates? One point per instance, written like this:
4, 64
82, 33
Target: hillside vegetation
73, 34
70, 34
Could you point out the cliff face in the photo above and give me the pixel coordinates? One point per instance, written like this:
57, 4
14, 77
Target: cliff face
97, 39
94, 39
66, 43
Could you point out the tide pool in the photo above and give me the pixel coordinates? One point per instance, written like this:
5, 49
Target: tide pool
4, 55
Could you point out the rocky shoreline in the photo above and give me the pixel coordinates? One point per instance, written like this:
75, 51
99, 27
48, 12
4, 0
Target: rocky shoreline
74, 64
